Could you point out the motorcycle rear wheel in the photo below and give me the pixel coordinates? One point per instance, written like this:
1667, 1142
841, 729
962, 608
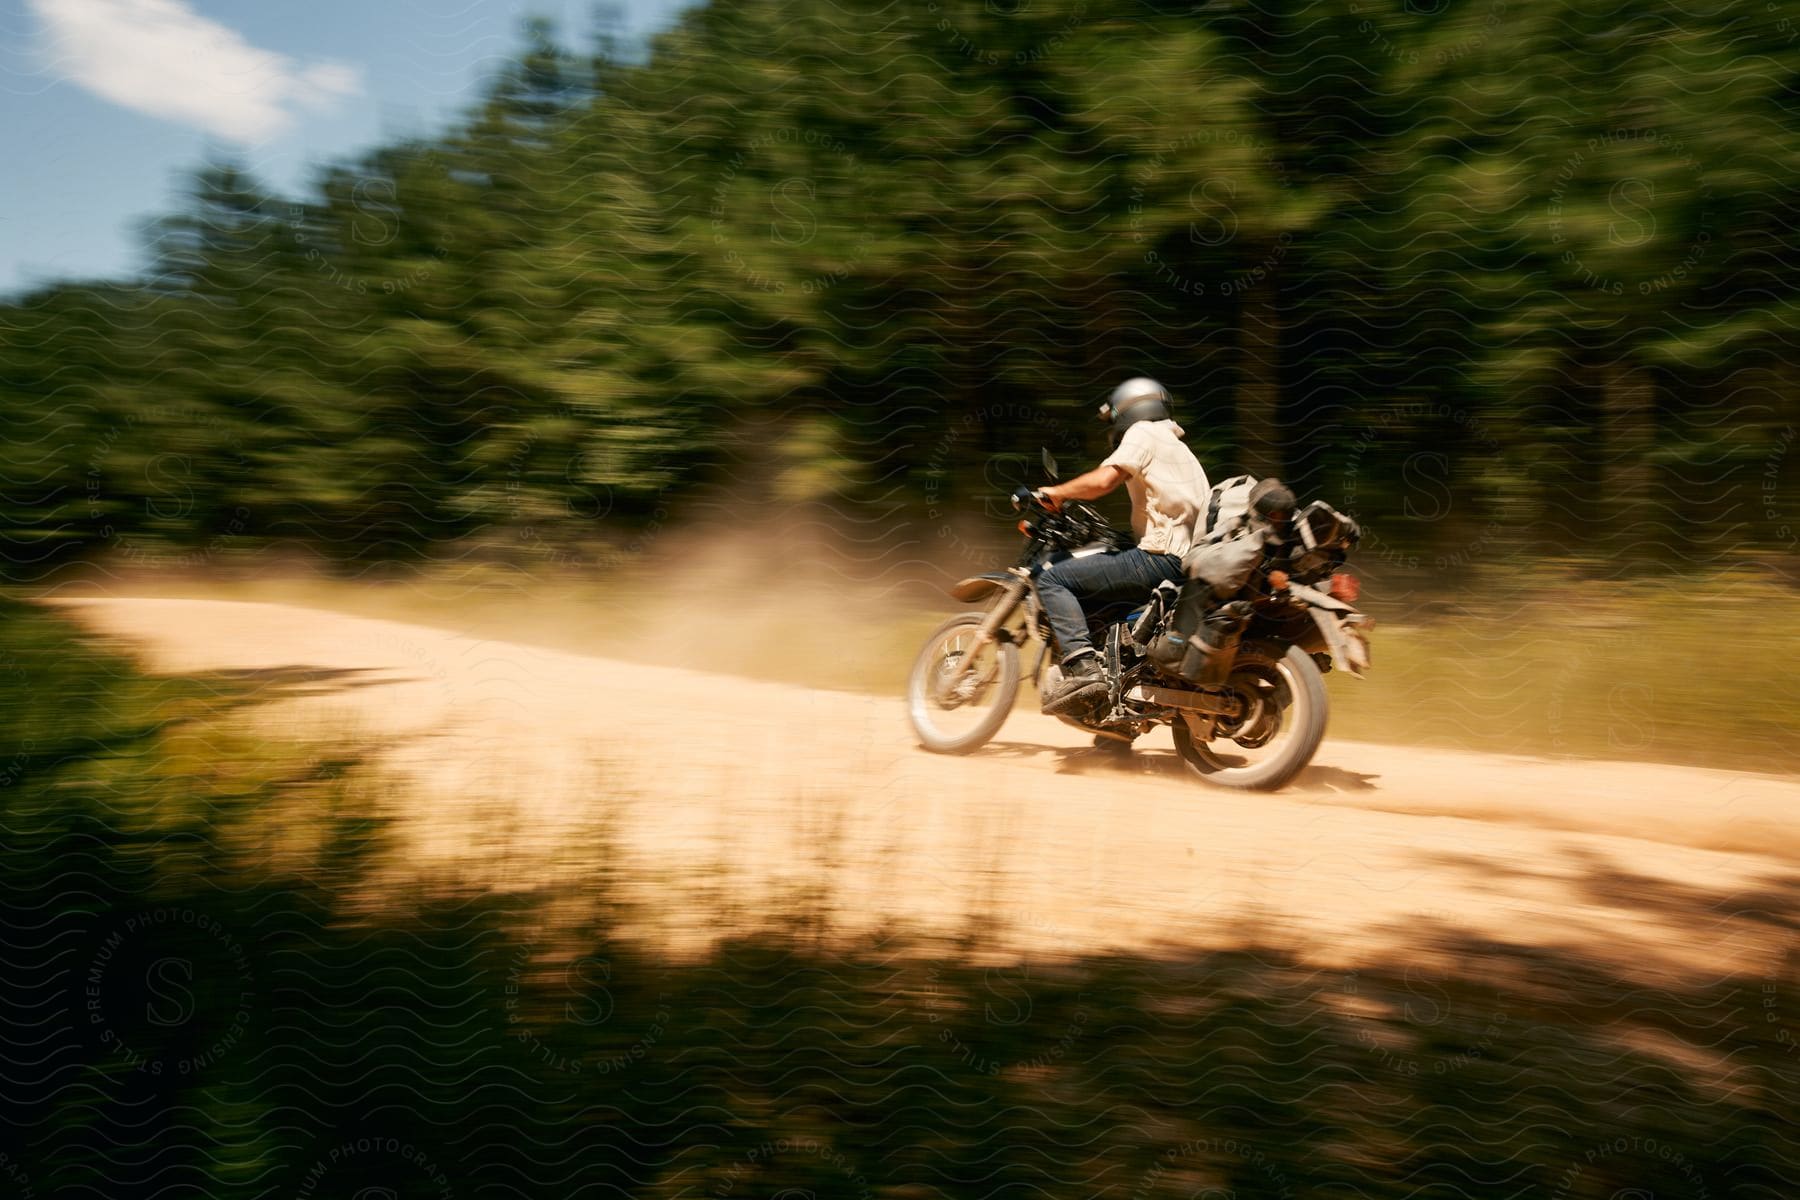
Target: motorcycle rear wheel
1287, 697
933, 691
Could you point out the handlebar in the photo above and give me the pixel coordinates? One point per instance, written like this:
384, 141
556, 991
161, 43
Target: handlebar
1072, 525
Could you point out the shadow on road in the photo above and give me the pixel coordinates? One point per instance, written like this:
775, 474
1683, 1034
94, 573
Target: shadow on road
242, 686
1104, 757
213, 998
1318, 777
1161, 763
187, 1001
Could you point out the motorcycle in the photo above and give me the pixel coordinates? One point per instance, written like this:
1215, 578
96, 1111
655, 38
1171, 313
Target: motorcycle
1253, 723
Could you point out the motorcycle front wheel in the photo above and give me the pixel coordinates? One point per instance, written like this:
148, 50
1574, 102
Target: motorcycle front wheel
1277, 734
961, 689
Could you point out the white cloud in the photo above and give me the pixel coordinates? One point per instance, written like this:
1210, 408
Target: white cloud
163, 58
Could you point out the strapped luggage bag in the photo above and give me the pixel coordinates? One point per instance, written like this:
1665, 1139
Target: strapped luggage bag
1202, 639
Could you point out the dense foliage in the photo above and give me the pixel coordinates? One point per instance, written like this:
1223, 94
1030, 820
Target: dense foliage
1502, 276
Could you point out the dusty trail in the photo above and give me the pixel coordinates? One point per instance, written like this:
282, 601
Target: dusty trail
718, 795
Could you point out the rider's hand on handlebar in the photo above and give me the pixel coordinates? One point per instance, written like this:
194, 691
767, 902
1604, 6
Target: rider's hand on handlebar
1048, 500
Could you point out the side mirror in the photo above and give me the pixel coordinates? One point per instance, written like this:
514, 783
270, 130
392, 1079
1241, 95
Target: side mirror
1050, 465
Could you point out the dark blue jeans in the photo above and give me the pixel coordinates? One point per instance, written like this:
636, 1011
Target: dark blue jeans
1119, 575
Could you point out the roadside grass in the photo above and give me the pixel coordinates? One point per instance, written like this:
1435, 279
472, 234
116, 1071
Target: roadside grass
217, 994
1702, 671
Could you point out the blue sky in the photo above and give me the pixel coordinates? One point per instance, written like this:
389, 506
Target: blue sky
110, 104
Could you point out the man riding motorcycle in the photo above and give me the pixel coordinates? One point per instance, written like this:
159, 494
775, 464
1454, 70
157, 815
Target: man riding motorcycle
1169, 498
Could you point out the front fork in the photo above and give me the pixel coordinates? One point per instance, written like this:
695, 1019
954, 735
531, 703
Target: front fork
1005, 604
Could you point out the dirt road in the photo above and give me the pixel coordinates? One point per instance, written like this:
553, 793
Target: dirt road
718, 799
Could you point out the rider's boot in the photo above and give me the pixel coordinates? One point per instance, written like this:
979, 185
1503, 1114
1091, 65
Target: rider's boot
1083, 683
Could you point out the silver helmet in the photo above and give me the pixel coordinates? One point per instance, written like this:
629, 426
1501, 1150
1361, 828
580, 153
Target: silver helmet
1139, 399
